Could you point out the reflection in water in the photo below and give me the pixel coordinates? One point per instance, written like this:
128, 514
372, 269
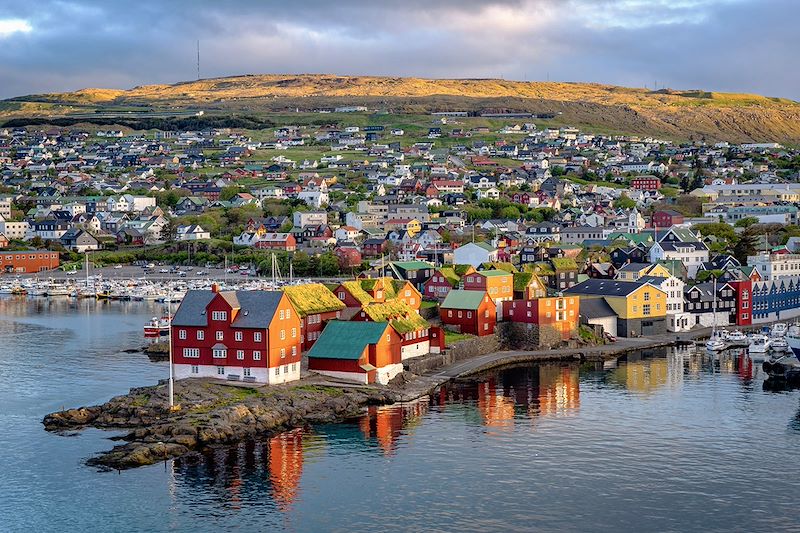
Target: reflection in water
387, 423
286, 466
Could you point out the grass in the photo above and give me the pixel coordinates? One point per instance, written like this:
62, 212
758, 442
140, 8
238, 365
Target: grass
428, 305
451, 337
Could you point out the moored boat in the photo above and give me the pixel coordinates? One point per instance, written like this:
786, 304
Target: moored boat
157, 327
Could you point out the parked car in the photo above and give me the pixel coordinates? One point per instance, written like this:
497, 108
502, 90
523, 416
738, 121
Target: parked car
164, 271
609, 337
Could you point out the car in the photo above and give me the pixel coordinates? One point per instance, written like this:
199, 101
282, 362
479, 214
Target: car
609, 337
181, 274
164, 271
201, 272
117, 267
150, 265
189, 269
71, 272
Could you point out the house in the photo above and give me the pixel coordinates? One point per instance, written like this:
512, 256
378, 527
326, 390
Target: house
348, 255
267, 241
666, 218
677, 318
374, 247
475, 253
78, 240
444, 279
361, 292
191, 232
555, 319
237, 335
416, 272
690, 253
315, 304
498, 284
414, 331
528, 286
641, 308
362, 352
471, 312
28, 261
634, 271
646, 183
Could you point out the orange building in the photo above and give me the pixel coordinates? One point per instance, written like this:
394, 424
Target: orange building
559, 313
499, 284
28, 261
364, 352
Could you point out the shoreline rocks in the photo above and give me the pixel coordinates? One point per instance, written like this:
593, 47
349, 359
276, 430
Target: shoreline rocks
210, 414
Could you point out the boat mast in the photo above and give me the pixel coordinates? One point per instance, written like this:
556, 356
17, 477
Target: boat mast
714, 310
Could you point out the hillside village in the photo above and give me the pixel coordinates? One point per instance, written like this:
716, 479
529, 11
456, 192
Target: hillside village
448, 226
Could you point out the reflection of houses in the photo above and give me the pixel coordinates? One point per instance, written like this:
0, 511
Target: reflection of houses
286, 466
387, 423
558, 390
496, 409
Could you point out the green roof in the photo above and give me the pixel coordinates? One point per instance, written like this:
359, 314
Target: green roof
459, 299
399, 315
675, 266
564, 263
450, 275
312, 298
346, 340
494, 273
412, 265
460, 270
486, 246
499, 265
521, 280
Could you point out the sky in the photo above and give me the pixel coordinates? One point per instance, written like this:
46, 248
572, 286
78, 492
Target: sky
721, 45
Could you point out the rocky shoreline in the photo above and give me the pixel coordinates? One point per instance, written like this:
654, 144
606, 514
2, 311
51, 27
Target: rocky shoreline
210, 414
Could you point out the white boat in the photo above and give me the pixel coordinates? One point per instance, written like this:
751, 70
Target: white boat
793, 339
715, 344
758, 343
779, 344
778, 330
736, 337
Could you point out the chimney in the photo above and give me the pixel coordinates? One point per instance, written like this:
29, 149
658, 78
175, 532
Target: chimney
214, 287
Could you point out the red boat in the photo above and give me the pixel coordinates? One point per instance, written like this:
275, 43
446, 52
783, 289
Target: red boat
157, 327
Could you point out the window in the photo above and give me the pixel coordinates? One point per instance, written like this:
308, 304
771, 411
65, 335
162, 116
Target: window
283, 334
294, 333
285, 369
256, 355
294, 351
220, 370
246, 372
281, 315
220, 353
646, 309
193, 353
745, 305
635, 309
238, 335
195, 369
277, 371
293, 366
182, 334
341, 295
283, 353
219, 315
219, 335
200, 334
240, 355
485, 326
449, 313
257, 336
460, 314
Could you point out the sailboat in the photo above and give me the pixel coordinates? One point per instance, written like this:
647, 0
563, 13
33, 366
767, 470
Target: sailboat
715, 343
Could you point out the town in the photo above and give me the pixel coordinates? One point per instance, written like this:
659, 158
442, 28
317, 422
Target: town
412, 232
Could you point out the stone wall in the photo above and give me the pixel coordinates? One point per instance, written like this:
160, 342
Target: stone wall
516, 336
459, 351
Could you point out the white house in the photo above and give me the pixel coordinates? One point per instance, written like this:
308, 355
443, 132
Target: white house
691, 254
192, 232
315, 199
474, 253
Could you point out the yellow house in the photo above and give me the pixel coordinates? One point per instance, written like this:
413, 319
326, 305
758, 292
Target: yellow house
641, 308
634, 271
412, 226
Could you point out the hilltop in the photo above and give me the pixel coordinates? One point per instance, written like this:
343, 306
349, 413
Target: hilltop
666, 113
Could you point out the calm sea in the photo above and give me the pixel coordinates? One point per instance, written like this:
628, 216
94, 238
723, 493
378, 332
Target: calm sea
665, 441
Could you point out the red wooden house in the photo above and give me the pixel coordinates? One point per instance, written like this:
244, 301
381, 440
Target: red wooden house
646, 183
470, 312
237, 335
666, 218
414, 331
315, 304
374, 247
277, 241
561, 314
348, 256
743, 292
361, 292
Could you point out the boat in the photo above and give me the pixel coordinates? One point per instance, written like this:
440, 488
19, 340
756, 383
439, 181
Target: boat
716, 343
157, 327
779, 344
778, 330
758, 343
736, 337
793, 339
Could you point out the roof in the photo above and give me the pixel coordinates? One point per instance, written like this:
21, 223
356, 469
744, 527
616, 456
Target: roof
411, 265
256, 308
346, 340
564, 263
399, 315
460, 299
494, 273
605, 287
633, 267
312, 298
596, 308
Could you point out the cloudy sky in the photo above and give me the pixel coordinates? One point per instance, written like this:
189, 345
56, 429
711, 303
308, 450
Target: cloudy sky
725, 45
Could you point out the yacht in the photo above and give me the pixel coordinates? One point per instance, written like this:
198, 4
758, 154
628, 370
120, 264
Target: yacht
758, 343
736, 337
793, 339
779, 344
716, 342
157, 327
779, 329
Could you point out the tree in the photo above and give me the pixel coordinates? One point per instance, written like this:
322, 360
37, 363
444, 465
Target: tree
746, 222
720, 230
685, 183
228, 192
328, 264
746, 246
624, 202
509, 212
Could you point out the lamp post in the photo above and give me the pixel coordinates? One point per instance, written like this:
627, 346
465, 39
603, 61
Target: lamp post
169, 338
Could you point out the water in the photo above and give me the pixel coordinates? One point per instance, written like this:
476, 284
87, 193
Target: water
664, 441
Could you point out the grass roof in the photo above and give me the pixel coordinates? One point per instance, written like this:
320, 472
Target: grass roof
498, 265
449, 274
461, 270
400, 316
312, 298
358, 292
564, 263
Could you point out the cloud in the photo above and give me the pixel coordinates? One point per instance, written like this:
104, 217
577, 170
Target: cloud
731, 45
11, 26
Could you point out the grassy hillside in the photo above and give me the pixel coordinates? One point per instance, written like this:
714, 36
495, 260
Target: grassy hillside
672, 114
